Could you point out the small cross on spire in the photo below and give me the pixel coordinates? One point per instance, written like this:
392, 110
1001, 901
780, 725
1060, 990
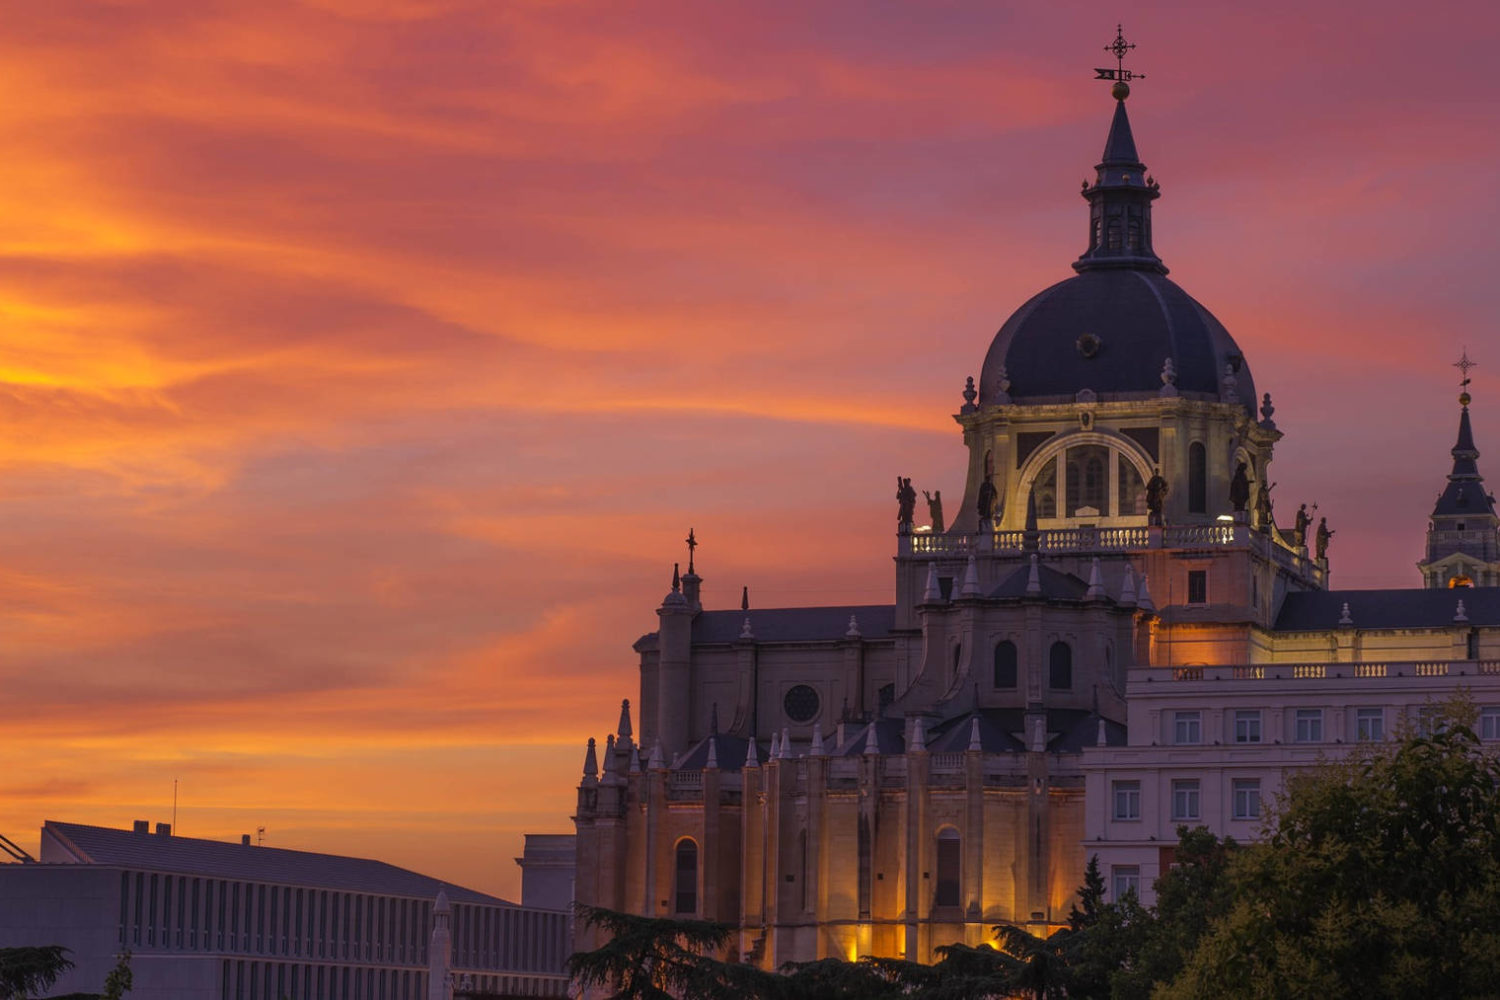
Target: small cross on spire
692, 543
1463, 364
1120, 75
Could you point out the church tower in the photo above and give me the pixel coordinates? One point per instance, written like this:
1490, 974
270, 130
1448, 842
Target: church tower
1463, 543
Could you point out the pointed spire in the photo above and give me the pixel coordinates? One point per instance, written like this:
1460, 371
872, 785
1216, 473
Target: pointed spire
786, 742
692, 544
1465, 494
1120, 204
975, 743
1034, 577
623, 728
590, 763
872, 741
1144, 602
816, 750
609, 751
713, 754
932, 593
1127, 586
752, 753
745, 598
918, 735
971, 580
674, 598
1096, 583
657, 762
676, 578
1031, 511
775, 750
635, 759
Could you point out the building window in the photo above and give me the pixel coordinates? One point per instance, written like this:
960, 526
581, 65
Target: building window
1127, 796
1044, 490
1471, 645
1133, 235
801, 703
1197, 478
1197, 586
1132, 488
1187, 727
866, 866
1060, 667
1112, 234
1185, 799
1127, 881
1005, 664
1369, 724
1309, 725
1246, 798
1088, 481
1489, 722
949, 860
686, 894
1247, 725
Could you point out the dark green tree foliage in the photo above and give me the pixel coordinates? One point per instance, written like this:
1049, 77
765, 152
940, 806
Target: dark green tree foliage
1381, 879
656, 958
26, 972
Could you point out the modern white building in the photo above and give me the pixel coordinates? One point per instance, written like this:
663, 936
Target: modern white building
209, 920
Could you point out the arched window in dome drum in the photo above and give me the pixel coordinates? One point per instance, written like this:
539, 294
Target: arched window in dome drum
1197, 478
1133, 235
1112, 234
1044, 489
1005, 664
1088, 481
1060, 667
1132, 489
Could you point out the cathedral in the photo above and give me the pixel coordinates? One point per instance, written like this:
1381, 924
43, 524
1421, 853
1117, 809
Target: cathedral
1081, 646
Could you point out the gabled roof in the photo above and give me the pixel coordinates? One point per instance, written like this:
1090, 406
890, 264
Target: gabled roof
99, 845
1055, 584
795, 624
1318, 610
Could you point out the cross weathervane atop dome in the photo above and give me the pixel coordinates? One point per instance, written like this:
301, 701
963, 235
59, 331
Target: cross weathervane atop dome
692, 544
1463, 364
1120, 75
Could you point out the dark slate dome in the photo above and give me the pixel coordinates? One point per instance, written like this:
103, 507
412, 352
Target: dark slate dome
1111, 330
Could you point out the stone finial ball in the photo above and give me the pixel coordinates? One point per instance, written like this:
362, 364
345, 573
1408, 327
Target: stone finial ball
1120, 91
1463, 399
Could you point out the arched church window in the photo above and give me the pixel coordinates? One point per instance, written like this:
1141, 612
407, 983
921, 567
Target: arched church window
1060, 667
1005, 664
1132, 489
866, 866
1088, 481
1044, 490
1197, 478
1112, 234
686, 881
949, 867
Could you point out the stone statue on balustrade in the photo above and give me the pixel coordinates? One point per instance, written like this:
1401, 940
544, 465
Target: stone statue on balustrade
935, 509
1239, 488
906, 505
1322, 538
988, 497
1299, 530
1156, 497
1263, 505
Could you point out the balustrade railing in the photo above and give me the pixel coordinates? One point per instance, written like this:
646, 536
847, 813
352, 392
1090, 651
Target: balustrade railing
1325, 671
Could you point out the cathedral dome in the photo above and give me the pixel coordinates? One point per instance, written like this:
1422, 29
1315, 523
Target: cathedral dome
1111, 331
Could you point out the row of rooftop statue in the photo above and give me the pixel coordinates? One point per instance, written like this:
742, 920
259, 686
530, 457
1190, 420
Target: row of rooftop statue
1157, 489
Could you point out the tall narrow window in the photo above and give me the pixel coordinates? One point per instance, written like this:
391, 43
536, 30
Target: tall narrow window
1060, 667
1044, 490
1112, 234
1005, 664
866, 866
1197, 478
949, 863
1088, 481
687, 877
802, 873
1133, 235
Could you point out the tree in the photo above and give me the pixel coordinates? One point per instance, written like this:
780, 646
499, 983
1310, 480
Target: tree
1381, 878
27, 971
656, 958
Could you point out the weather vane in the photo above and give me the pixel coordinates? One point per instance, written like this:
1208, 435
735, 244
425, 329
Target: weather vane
1463, 364
1120, 75
692, 544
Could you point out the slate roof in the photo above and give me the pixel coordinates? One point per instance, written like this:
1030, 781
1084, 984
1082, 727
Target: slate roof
795, 624
101, 845
1464, 492
1314, 610
1054, 583
729, 753
1074, 729
1141, 319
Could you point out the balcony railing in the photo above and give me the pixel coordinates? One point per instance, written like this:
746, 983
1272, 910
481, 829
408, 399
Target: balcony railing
1321, 671
1083, 539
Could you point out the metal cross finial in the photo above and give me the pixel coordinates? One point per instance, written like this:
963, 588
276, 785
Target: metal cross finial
1118, 48
1463, 364
692, 543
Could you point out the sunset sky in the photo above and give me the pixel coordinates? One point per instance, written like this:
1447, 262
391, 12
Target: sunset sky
365, 362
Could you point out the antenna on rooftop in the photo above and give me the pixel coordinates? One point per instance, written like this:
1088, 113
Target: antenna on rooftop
260, 836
